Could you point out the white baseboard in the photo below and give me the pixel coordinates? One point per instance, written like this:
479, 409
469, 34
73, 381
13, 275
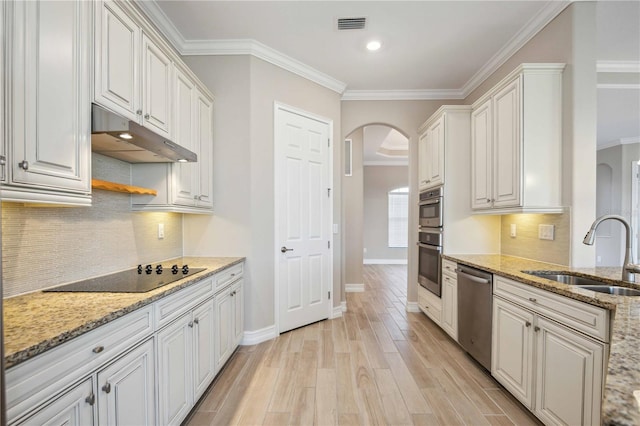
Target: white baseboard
343, 305
336, 312
354, 288
412, 307
385, 261
259, 336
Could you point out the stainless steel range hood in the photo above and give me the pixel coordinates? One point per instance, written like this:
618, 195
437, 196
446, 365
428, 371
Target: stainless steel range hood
126, 140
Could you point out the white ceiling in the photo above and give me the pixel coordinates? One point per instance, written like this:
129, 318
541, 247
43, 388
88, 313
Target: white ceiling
395, 146
427, 45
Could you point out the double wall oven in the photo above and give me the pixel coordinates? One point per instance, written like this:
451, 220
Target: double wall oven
430, 240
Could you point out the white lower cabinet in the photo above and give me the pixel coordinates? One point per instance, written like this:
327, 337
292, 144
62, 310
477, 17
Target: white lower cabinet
552, 369
450, 304
229, 321
430, 304
126, 389
185, 362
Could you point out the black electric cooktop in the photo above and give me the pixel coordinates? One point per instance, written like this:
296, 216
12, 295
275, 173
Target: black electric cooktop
138, 280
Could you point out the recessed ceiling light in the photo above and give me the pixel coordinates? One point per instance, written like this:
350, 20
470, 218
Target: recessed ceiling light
374, 45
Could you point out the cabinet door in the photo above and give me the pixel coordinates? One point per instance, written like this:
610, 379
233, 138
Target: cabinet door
175, 386
117, 61
450, 306
507, 156
512, 350
238, 312
156, 87
204, 141
51, 95
3, 64
204, 366
224, 310
436, 153
423, 160
73, 408
185, 174
481, 156
569, 376
126, 394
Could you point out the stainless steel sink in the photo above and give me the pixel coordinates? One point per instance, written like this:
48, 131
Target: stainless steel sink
565, 278
612, 289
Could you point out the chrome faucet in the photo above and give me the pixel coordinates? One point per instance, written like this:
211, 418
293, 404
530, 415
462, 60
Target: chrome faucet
628, 268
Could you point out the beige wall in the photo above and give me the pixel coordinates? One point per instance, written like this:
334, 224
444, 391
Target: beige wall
353, 208
406, 117
243, 224
48, 246
526, 243
569, 38
378, 181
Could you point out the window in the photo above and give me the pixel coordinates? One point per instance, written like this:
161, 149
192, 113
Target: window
398, 217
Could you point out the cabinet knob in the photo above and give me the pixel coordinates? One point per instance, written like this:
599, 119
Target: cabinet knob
3, 160
488, 200
107, 387
196, 321
24, 165
536, 328
191, 324
531, 299
146, 116
98, 349
91, 399
528, 324
139, 112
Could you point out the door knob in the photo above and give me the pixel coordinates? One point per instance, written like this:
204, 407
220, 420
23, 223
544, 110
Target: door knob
284, 249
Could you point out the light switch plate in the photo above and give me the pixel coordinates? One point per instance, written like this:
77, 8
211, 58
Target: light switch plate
546, 232
513, 230
160, 231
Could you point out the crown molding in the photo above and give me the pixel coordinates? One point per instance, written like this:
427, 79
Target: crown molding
533, 27
401, 95
163, 23
625, 86
618, 66
616, 142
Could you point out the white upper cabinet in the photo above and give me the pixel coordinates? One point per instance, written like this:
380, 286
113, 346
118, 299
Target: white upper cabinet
117, 67
516, 137
431, 155
48, 135
133, 73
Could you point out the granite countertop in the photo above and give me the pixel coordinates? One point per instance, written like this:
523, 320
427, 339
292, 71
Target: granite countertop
621, 399
36, 322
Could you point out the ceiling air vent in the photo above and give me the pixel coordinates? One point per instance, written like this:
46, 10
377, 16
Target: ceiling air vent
351, 23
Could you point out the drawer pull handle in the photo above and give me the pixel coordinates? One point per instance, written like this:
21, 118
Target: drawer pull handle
91, 399
536, 328
528, 324
107, 387
531, 299
98, 349
233, 275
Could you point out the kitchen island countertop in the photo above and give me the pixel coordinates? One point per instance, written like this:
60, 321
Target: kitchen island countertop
38, 321
622, 383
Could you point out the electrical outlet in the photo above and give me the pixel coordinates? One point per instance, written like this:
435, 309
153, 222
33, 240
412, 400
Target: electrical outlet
546, 232
161, 231
513, 230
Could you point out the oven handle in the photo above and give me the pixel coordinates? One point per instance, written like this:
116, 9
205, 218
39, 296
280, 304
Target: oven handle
473, 277
429, 247
427, 202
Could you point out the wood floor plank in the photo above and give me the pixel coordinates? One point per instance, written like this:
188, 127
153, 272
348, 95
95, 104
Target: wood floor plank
393, 404
304, 407
413, 398
326, 397
387, 366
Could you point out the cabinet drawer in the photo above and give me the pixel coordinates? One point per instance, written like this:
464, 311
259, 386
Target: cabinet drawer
35, 381
228, 276
588, 319
449, 267
170, 308
430, 304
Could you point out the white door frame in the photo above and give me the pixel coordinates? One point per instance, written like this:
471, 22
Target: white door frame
277, 107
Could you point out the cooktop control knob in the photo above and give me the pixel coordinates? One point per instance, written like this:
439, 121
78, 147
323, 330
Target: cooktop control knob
174, 269
185, 269
139, 269
148, 269
159, 269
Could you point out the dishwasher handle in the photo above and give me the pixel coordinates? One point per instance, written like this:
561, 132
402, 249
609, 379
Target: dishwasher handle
473, 277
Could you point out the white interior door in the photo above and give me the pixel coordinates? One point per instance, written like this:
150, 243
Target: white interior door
303, 267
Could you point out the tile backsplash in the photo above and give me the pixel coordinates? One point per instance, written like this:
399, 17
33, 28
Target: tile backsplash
47, 246
526, 243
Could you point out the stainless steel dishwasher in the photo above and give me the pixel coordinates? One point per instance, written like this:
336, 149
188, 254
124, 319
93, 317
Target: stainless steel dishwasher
475, 288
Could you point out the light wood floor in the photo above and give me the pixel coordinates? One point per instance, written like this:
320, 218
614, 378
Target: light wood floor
377, 364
